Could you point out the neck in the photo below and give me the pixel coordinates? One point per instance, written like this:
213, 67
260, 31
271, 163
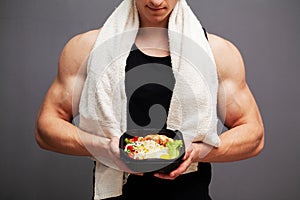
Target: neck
148, 24
153, 40
153, 36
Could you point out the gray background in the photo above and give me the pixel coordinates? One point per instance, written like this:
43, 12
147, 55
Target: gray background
32, 34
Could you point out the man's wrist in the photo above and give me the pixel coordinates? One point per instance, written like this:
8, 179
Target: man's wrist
202, 151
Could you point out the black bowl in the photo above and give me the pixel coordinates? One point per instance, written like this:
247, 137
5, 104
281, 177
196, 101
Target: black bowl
154, 164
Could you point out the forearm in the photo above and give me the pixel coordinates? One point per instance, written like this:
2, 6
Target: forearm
58, 135
238, 143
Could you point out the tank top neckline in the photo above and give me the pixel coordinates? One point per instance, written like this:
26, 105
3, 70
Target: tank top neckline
135, 48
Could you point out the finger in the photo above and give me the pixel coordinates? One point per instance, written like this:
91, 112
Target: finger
114, 146
188, 153
138, 174
174, 174
182, 168
164, 176
121, 165
115, 151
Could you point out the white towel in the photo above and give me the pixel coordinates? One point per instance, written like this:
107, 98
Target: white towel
103, 103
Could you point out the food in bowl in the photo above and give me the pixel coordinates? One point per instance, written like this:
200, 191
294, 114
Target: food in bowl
164, 160
152, 146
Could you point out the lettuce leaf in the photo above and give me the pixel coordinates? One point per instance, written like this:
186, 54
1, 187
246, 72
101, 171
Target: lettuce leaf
174, 148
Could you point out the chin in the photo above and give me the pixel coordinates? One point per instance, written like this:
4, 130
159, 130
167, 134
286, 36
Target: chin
157, 20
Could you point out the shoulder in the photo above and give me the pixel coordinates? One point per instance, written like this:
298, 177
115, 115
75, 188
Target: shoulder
228, 58
76, 52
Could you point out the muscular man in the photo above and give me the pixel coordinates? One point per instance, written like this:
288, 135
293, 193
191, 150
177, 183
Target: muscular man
243, 139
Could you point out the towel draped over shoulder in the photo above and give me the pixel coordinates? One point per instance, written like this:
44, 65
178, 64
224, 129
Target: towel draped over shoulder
103, 104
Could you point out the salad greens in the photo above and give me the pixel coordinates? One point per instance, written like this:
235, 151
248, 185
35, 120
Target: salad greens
152, 146
174, 148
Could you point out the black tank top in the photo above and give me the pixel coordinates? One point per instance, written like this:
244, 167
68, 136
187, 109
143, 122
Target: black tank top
149, 84
149, 81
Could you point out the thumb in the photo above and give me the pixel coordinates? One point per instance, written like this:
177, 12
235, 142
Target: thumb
188, 153
114, 145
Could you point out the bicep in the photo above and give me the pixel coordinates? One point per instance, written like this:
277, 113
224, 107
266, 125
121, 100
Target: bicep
238, 106
62, 99
236, 103
58, 101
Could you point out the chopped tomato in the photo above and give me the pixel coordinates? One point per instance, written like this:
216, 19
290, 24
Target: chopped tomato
130, 148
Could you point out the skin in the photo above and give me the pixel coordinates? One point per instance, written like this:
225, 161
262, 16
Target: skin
243, 139
155, 13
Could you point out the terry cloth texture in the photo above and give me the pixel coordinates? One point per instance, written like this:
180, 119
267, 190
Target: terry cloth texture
103, 103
